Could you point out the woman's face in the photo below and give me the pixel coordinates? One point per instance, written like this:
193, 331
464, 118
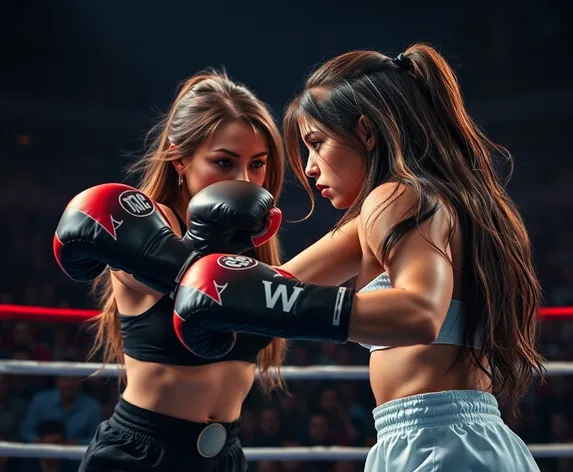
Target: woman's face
236, 151
337, 168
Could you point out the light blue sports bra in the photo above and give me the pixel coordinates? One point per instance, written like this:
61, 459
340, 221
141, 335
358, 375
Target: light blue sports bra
452, 328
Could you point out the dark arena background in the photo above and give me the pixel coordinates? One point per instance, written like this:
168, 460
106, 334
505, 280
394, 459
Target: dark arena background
81, 84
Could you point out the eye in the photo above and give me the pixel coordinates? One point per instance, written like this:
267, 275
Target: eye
258, 164
315, 145
226, 163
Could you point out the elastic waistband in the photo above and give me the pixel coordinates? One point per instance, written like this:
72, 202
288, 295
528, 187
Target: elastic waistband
168, 428
435, 409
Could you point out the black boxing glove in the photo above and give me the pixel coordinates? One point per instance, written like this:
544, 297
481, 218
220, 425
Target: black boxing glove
119, 226
232, 214
221, 294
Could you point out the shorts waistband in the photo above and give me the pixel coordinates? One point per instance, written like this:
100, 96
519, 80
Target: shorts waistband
429, 410
164, 427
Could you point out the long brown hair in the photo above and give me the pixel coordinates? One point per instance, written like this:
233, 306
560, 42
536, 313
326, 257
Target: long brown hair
426, 140
203, 103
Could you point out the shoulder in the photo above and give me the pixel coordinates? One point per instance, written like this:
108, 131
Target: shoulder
392, 203
171, 218
389, 202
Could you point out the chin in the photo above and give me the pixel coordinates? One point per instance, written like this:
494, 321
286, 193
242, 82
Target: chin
340, 204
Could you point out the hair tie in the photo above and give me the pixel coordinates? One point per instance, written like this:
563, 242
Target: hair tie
404, 62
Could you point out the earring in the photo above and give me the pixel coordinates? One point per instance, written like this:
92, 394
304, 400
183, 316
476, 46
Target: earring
180, 182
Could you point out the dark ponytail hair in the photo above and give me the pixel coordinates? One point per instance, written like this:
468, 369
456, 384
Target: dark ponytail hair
426, 140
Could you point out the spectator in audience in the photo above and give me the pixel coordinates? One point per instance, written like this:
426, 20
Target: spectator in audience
341, 428
319, 433
292, 465
359, 411
23, 386
48, 432
80, 413
270, 429
12, 411
293, 406
22, 336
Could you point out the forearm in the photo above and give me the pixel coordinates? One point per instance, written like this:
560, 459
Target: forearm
332, 260
393, 317
282, 307
321, 271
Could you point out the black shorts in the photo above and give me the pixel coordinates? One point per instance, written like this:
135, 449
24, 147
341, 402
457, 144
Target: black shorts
134, 439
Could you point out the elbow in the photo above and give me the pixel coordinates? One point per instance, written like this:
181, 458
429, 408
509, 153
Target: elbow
427, 323
428, 330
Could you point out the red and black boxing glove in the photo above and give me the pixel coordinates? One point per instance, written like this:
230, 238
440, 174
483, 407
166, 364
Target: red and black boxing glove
119, 226
223, 294
232, 214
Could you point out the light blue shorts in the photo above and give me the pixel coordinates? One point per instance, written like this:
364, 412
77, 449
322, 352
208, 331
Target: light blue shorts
456, 430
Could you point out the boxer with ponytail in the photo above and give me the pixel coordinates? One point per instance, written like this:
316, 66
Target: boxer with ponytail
447, 300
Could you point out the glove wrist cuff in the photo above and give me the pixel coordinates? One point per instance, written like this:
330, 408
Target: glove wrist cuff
342, 310
191, 259
323, 314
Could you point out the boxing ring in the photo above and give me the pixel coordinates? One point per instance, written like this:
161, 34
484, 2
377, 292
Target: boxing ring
314, 453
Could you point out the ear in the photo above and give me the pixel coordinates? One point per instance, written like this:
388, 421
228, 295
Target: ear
365, 133
177, 163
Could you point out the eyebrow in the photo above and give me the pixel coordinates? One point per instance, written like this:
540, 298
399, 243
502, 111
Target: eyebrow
310, 133
234, 154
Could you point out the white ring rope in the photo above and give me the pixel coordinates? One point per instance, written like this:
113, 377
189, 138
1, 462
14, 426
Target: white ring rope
85, 369
326, 372
315, 453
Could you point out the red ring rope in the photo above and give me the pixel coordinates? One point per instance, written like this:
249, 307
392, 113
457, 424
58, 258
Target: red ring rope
67, 315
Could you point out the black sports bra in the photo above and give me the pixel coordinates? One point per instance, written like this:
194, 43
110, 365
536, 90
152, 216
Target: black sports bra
150, 337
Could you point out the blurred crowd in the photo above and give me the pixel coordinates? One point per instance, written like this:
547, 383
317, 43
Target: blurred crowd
68, 409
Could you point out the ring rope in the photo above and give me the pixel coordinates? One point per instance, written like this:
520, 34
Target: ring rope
314, 453
71, 315
326, 372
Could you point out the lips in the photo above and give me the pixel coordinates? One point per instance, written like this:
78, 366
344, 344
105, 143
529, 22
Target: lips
324, 190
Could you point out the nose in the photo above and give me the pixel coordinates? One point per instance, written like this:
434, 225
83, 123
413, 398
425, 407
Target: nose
312, 169
243, 174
